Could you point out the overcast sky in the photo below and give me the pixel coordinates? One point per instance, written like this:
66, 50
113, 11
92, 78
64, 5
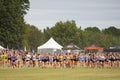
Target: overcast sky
86, 13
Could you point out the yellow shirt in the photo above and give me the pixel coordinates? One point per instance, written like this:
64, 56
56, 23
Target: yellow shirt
61, 58
4, 57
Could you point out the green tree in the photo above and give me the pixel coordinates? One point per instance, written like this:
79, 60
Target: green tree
114, 35
112, 31
34, 37
63, 32
93, 36
12, 22
93, 29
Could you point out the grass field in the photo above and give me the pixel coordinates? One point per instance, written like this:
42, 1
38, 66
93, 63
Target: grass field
59, 74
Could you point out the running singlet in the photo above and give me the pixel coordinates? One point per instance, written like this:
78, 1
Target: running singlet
28, 57
60, 58
13, 58
87, 59
33, 57
18, 58
4, 57
40, 58
82, 58
67, 58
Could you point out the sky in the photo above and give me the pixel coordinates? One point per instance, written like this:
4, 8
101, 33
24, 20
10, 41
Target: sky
86, 13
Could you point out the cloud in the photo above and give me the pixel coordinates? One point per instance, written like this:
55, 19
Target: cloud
101, 13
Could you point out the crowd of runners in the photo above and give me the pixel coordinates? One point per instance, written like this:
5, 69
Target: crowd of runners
19, 59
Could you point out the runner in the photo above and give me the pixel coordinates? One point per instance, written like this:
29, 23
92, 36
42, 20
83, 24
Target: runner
75, 60
40, 60
102, 60
18, 60
94, 60
68, 60
23, 59
33, 59
81, 59
55, 60
61, 61
4, 57
28, 59
9, 59
87, 60
13, 60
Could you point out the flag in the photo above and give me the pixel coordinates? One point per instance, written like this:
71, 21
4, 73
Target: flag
32, 50
25, 48
7, 47
18, 48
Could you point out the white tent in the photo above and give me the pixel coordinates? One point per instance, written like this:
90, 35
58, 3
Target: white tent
1, 47
50, 46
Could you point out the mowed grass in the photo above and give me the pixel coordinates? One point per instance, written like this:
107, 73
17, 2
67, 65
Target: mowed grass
59, 74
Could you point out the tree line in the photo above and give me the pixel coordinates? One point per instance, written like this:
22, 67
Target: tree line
67, 32
14, 31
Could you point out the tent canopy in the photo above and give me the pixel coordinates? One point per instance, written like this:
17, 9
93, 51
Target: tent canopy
113, 48
50, 44
1, 47
93, 47
71, 46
